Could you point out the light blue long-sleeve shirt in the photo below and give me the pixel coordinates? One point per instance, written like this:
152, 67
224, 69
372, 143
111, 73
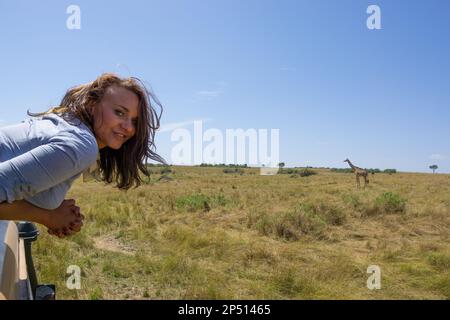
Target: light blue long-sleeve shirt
41, 157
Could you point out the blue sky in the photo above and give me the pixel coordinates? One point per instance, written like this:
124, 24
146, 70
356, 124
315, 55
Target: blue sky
311, 69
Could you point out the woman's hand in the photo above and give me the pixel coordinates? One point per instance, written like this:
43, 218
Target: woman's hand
65, 220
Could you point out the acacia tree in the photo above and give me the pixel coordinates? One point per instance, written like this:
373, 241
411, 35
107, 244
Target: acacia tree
434, 167
281, 164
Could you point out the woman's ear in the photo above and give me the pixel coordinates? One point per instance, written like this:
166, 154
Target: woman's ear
91, 109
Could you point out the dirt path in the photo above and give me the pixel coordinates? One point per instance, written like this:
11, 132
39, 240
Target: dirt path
110, 243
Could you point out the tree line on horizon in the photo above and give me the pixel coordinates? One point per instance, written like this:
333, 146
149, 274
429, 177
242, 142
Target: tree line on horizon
282, 165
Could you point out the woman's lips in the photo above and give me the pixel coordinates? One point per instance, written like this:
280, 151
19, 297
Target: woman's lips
120, 136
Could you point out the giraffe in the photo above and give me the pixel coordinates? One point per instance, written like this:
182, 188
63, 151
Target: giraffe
359, 172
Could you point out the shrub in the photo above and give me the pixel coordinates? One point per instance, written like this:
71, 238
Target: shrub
166, 170
223, 165
307, 172
341, 170
234, 170
390, 171
332, 215
390, 202
439, 260
165, 178
306, 219
193, 202
352, 200
301, 172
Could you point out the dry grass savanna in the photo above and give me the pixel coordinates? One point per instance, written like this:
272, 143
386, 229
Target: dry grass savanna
200, 233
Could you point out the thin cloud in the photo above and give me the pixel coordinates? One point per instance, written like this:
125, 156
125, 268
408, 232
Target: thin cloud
211, 94
167, 127
208, 94
437, 156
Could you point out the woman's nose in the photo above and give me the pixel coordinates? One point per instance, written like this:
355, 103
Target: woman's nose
128, 125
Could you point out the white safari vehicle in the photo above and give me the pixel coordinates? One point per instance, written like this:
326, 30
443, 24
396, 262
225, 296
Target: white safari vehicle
17, 275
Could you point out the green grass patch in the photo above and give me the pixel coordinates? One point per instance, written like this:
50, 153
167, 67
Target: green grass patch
390, 202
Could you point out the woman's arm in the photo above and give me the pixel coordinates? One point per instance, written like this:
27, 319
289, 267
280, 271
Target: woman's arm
45, 166
24, 211
65, 220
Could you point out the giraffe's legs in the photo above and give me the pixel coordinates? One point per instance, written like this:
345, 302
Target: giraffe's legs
358, 185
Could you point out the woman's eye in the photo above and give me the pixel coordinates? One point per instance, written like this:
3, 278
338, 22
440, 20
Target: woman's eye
119, 113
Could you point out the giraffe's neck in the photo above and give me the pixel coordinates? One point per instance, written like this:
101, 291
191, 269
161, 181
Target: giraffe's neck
355, 168
351, 165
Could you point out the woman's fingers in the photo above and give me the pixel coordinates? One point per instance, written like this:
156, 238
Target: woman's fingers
75, 226
77, 212
68, 232
68, 220
75, 209
64, 232
70, 202
55, 233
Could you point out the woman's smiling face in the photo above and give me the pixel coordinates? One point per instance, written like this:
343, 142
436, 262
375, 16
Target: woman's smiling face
115, 117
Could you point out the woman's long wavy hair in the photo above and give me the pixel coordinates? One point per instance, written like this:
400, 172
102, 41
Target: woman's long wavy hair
121, 165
